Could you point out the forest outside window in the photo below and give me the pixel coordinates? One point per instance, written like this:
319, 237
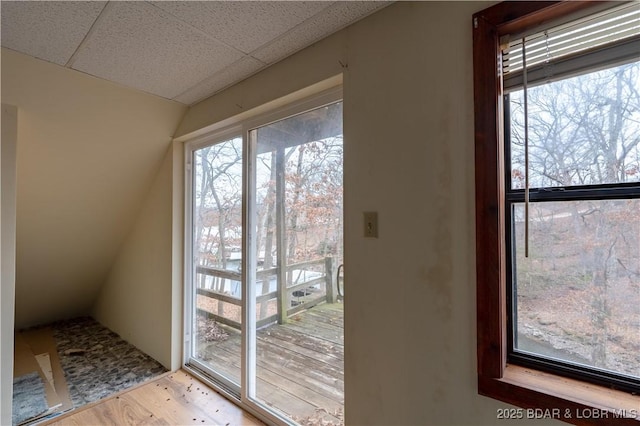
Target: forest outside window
575, 296
558, 203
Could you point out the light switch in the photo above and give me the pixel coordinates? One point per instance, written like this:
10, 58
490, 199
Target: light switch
370, 224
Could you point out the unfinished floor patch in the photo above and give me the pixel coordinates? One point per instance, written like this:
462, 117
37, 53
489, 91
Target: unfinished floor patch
29, 398
37, 393
97, 362
73, 363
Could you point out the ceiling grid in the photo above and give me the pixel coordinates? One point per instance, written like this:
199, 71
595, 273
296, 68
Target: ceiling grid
180, 50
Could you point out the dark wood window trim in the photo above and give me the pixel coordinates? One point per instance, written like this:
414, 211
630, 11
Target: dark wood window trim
568, 400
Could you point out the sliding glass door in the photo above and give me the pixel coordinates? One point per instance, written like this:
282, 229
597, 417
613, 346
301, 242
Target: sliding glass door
264, 311
216, 256
297, 220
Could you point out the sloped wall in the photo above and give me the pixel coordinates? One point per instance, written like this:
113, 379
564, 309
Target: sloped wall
88, 152
136, 299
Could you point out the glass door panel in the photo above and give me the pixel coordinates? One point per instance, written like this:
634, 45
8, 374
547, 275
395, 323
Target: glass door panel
298, 343
216, 260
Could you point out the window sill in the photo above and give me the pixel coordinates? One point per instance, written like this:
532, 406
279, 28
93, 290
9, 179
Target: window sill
544, 395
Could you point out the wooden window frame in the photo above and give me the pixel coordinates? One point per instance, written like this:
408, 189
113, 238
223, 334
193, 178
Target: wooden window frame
539, 394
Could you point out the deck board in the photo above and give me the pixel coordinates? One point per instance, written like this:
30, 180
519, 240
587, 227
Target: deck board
305, 344
299, 364
317, 331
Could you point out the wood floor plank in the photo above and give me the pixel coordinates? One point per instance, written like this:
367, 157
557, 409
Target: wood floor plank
169, 400
199, 393
165, 401
115, 411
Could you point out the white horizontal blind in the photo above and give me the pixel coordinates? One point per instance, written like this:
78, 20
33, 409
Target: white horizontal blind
609, 36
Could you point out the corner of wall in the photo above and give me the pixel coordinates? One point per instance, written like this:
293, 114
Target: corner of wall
177, 255
8, 256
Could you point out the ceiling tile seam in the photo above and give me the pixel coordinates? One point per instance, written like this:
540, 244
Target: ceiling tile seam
122, 85
383, 4
286, 33
264, 64
251, 55
208, 95
88, 35
198, 30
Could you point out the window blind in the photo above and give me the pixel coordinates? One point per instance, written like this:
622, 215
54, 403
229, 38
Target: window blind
605, 38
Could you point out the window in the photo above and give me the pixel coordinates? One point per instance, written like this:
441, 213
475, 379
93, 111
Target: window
557, 159
572, 146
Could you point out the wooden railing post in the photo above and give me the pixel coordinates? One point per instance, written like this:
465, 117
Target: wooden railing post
281, 239
331, 279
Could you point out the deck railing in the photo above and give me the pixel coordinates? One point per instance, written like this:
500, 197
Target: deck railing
292, 294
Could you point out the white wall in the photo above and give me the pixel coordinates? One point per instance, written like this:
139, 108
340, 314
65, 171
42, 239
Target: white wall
410, 314
142, 297
177, 255
136, 299
88, 152
8, 255
409, 155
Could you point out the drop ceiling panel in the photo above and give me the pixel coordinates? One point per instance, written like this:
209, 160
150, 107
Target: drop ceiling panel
182, 50
141, 46
238, 71
245, 25
328, 21
48, 30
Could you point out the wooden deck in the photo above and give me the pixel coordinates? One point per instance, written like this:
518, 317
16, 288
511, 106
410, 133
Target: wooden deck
300, 364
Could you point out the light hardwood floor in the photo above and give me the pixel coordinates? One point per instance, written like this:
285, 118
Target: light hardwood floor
173, 399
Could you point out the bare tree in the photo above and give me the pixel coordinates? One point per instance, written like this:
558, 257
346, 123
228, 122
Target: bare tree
217, 203
583, 130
